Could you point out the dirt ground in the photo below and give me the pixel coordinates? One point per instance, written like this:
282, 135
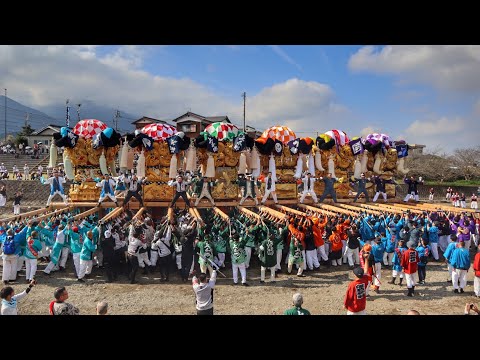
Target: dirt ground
323, 292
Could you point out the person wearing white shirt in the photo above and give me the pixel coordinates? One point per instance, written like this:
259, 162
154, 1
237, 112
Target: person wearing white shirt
26, 170
269, 189
56, 187
180, 190
107, 185
134, 187
9, 299
308, 188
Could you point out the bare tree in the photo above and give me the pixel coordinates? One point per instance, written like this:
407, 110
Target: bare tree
467, 161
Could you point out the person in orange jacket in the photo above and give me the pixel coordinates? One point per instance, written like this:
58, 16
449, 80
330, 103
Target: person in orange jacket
318, 231
476, 268
336, 246
344, 227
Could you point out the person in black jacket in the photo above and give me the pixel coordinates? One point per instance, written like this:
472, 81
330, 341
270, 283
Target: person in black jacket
353, 247
188, 252
412, 188
310, 249
108, 245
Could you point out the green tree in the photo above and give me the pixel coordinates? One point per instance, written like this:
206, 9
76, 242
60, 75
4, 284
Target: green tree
26, 130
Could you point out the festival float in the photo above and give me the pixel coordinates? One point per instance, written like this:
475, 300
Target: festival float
90, 149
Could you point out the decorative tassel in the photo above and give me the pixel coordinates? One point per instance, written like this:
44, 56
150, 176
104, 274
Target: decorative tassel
364, 161
311, 165
203, 169
272, 168
113, 168
191, 159
248, 157
103, 164
242, 163
124, 156
357, 168
172, 174
141, 165
130, 159
53, 156
401, 166
67, 165
376, 165
318, 161
210, 173
258, 168
254, 161
331, 166
299, 168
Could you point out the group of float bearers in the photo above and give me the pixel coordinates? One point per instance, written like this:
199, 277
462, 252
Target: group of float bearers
304, 241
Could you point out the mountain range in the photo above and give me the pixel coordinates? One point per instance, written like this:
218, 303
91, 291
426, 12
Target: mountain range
56, 114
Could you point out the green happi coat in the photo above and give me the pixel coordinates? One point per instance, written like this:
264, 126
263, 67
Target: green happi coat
238, 254
207, 249
295, 253
268, 252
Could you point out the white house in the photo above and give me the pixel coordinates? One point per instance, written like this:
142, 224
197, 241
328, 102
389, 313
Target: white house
45, 136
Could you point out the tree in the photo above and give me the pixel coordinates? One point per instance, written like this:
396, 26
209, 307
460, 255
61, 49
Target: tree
467, 162
26, 130
435, 165
19, 139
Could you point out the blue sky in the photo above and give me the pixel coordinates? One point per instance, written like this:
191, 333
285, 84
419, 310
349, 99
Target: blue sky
419, 93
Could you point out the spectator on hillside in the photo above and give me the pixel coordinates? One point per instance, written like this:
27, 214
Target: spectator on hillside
26, 170
3, 195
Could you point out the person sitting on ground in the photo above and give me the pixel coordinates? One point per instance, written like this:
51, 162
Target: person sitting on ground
297, 306
59, 306
9, 299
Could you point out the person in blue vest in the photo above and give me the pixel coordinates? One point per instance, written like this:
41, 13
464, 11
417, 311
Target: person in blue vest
86, 257
56, 187
433, 238
460, 262
389, 240
107, 185
397, 268
448, 255
423, 252
59, 236
31, 254
362, 187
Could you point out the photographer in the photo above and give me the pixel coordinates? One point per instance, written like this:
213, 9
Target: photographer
9, 299
471, 307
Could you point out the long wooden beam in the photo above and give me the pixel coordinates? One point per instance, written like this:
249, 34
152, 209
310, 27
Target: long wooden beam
221, 213
338, 209
27, 214
53, 213
139, 213
290, 210
273, 212
248, 212
86, 213
360, 209
112, 214
316, 209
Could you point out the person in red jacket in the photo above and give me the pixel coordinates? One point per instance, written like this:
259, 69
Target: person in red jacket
476, 279
409, 263
336, 246
318, 230
356, 297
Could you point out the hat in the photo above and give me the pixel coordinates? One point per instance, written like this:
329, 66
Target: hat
411, 244
358, 271
367, 248
75, 229
108, 234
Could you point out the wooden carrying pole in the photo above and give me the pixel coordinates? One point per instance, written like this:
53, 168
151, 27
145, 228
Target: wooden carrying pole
249, 212
86, 213
273, 212
29, 214
221, 213
111, 215
56, 212
317, 210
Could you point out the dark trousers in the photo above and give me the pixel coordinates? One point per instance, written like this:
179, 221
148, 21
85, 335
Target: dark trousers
134, 194
164, 264
330, 192
186, 265
183, 194
422, 273
110, 268
133, 261
205, 312
361, 192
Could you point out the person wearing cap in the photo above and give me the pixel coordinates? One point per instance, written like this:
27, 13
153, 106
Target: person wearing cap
356, 296
309, 188
206, 190
460, 262
269, 188
362, 187
248, 186
56, 187
107, 185
409, 263
180, 190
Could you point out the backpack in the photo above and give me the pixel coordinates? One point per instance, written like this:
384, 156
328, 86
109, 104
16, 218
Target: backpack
9, 246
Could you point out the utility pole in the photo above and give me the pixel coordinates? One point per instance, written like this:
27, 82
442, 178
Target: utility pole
115, 119
5, 114
67, 117
27, 117
244, 95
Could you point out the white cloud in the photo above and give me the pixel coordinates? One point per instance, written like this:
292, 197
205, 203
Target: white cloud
441, 126
369, 130
446, 67
41, 76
